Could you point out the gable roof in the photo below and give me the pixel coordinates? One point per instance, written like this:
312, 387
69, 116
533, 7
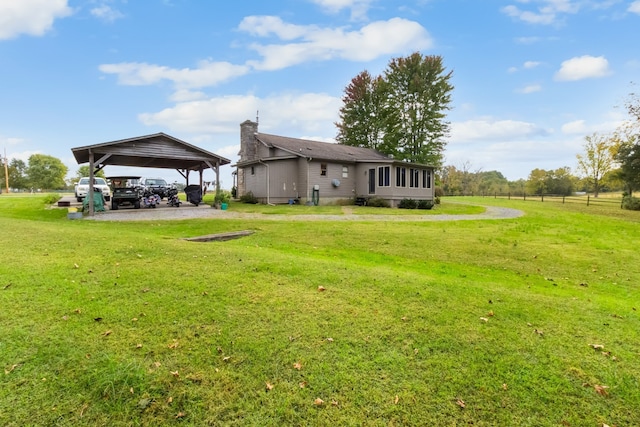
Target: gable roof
158, 150
321, 150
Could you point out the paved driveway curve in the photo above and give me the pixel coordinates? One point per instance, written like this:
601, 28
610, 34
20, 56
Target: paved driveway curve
205, 211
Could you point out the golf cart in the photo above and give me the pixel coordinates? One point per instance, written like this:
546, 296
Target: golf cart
125, 191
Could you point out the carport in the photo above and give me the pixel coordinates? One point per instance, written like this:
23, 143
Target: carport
151, 151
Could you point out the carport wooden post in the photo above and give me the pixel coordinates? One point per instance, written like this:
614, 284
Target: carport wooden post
91, 176
217, 177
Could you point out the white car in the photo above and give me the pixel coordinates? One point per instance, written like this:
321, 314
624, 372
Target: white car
82, 188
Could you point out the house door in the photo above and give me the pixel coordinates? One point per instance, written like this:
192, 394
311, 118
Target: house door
372, 181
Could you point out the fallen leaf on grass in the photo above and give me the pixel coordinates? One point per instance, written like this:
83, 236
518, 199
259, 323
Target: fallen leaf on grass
321, 288
601, 389
268, 386
504, 386
8, 371
539, 332
297, 366
330, 339
175, 373
174, 344
157, 364
303, 384
226, 359
484, 319
107, 333
596, 346
181, 415
490, 314
76, 266
77, 311
318, 402
138, 345
334, 403
461, 403
396, 400
169, 400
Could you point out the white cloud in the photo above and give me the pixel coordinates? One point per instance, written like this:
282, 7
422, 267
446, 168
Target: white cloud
635, 7
10, 141
546, 14
493, 130
206, 74
32, 17
309, 113
575, 127
581, 127
530, 89
531, 64
358, 8
106, 13
184, 95
369, 42
583, 67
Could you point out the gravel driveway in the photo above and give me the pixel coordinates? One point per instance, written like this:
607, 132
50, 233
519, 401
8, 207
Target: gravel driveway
206, 211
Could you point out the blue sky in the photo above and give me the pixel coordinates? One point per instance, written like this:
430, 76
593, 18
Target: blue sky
532, 77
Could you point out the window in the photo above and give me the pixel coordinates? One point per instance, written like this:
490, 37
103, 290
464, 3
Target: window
414, 176
401, 177
323, 169
253, 170
384, 178
345, 171
426, 179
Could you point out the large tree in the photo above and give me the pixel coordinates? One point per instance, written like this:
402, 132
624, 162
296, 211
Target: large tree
402, 113
362, 115
628, 139
17, 174
597, 160
46, 172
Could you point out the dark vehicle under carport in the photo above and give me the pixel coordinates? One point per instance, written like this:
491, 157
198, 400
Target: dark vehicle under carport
125, 191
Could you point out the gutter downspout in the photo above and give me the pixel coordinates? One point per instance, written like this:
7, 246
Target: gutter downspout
308, 183
268, 183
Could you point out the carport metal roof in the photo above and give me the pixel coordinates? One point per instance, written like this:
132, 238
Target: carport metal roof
150, 151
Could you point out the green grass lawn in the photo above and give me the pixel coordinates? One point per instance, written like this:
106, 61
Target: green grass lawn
530, 321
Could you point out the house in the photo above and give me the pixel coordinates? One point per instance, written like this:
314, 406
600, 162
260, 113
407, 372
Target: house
278, 169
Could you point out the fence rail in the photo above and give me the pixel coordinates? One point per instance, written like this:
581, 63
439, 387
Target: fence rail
587, 199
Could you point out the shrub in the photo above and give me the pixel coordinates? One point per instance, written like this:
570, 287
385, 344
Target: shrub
50, 199
631, 203
234, 191
222, 196
249, 198
438, 192
437, 200
408, 204
378, 202
425, 204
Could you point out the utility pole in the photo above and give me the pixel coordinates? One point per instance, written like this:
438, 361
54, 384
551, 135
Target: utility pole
6, 170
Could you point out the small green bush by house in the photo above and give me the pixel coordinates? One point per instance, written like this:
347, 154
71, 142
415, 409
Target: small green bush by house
378, 202
408, 204
425, 204
249, 198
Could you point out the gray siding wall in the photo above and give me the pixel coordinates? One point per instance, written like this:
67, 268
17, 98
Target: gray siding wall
335, 174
